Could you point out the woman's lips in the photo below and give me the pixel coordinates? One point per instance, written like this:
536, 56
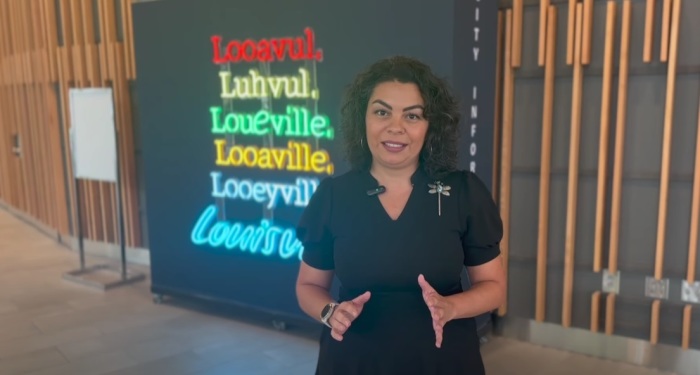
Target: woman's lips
394, 146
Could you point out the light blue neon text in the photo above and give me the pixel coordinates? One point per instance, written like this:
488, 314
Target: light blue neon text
297, 194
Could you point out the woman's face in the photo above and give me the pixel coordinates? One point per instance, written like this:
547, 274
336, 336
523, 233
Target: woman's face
396, 125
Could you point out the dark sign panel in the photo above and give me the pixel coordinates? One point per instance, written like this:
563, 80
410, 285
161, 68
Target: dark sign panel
239, 104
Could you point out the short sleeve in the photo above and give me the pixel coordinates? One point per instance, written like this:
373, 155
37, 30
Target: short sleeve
313, 229
484, 228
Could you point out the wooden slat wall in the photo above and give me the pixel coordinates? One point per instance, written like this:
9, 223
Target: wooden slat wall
36, 72
609, 216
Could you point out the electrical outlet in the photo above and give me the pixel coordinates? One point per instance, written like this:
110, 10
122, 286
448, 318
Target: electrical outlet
690, 292
657, 289
611, 282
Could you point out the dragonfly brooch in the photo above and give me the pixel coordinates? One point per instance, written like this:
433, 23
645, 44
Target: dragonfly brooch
439, 189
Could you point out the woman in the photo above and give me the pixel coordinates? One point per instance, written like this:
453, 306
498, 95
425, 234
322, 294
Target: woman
397, 231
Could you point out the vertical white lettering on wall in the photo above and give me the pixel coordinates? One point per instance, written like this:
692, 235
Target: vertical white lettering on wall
474, 72
475, 104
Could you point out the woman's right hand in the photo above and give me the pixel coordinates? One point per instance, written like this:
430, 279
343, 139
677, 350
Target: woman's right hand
345, 313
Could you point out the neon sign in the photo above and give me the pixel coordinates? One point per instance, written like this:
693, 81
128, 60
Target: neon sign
265, 239
301, 126
267, 50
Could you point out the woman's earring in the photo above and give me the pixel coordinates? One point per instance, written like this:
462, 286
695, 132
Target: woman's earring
362, 143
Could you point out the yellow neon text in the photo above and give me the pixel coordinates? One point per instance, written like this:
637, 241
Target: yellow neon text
296, 157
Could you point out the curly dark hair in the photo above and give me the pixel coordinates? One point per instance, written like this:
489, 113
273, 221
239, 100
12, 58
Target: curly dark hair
439, 154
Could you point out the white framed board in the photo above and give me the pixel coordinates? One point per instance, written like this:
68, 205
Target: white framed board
93, 134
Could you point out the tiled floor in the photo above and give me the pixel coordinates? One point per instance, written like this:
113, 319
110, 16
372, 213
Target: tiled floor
49, 326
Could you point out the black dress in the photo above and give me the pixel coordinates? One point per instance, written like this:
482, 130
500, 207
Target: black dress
346, 230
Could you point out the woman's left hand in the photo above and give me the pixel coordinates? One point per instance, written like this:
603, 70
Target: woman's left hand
441, 309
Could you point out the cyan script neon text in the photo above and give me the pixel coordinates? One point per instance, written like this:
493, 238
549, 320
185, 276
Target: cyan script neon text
297, 194
266, 239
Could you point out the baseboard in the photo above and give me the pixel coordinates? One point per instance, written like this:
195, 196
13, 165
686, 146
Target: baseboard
135, 255
36, 224
617, 348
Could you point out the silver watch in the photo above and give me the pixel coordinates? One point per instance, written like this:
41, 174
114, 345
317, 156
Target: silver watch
327, 312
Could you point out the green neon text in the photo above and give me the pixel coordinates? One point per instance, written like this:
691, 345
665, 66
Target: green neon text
297, 122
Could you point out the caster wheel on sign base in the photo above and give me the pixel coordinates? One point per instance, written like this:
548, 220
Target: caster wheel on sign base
279, 325
157, 299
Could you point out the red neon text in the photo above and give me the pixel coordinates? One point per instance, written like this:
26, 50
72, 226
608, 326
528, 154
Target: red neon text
266, 50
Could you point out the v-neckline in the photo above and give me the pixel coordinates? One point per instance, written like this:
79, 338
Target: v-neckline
403, 210
416, 180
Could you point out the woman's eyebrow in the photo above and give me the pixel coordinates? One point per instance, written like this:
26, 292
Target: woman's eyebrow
385, 104
413, 107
